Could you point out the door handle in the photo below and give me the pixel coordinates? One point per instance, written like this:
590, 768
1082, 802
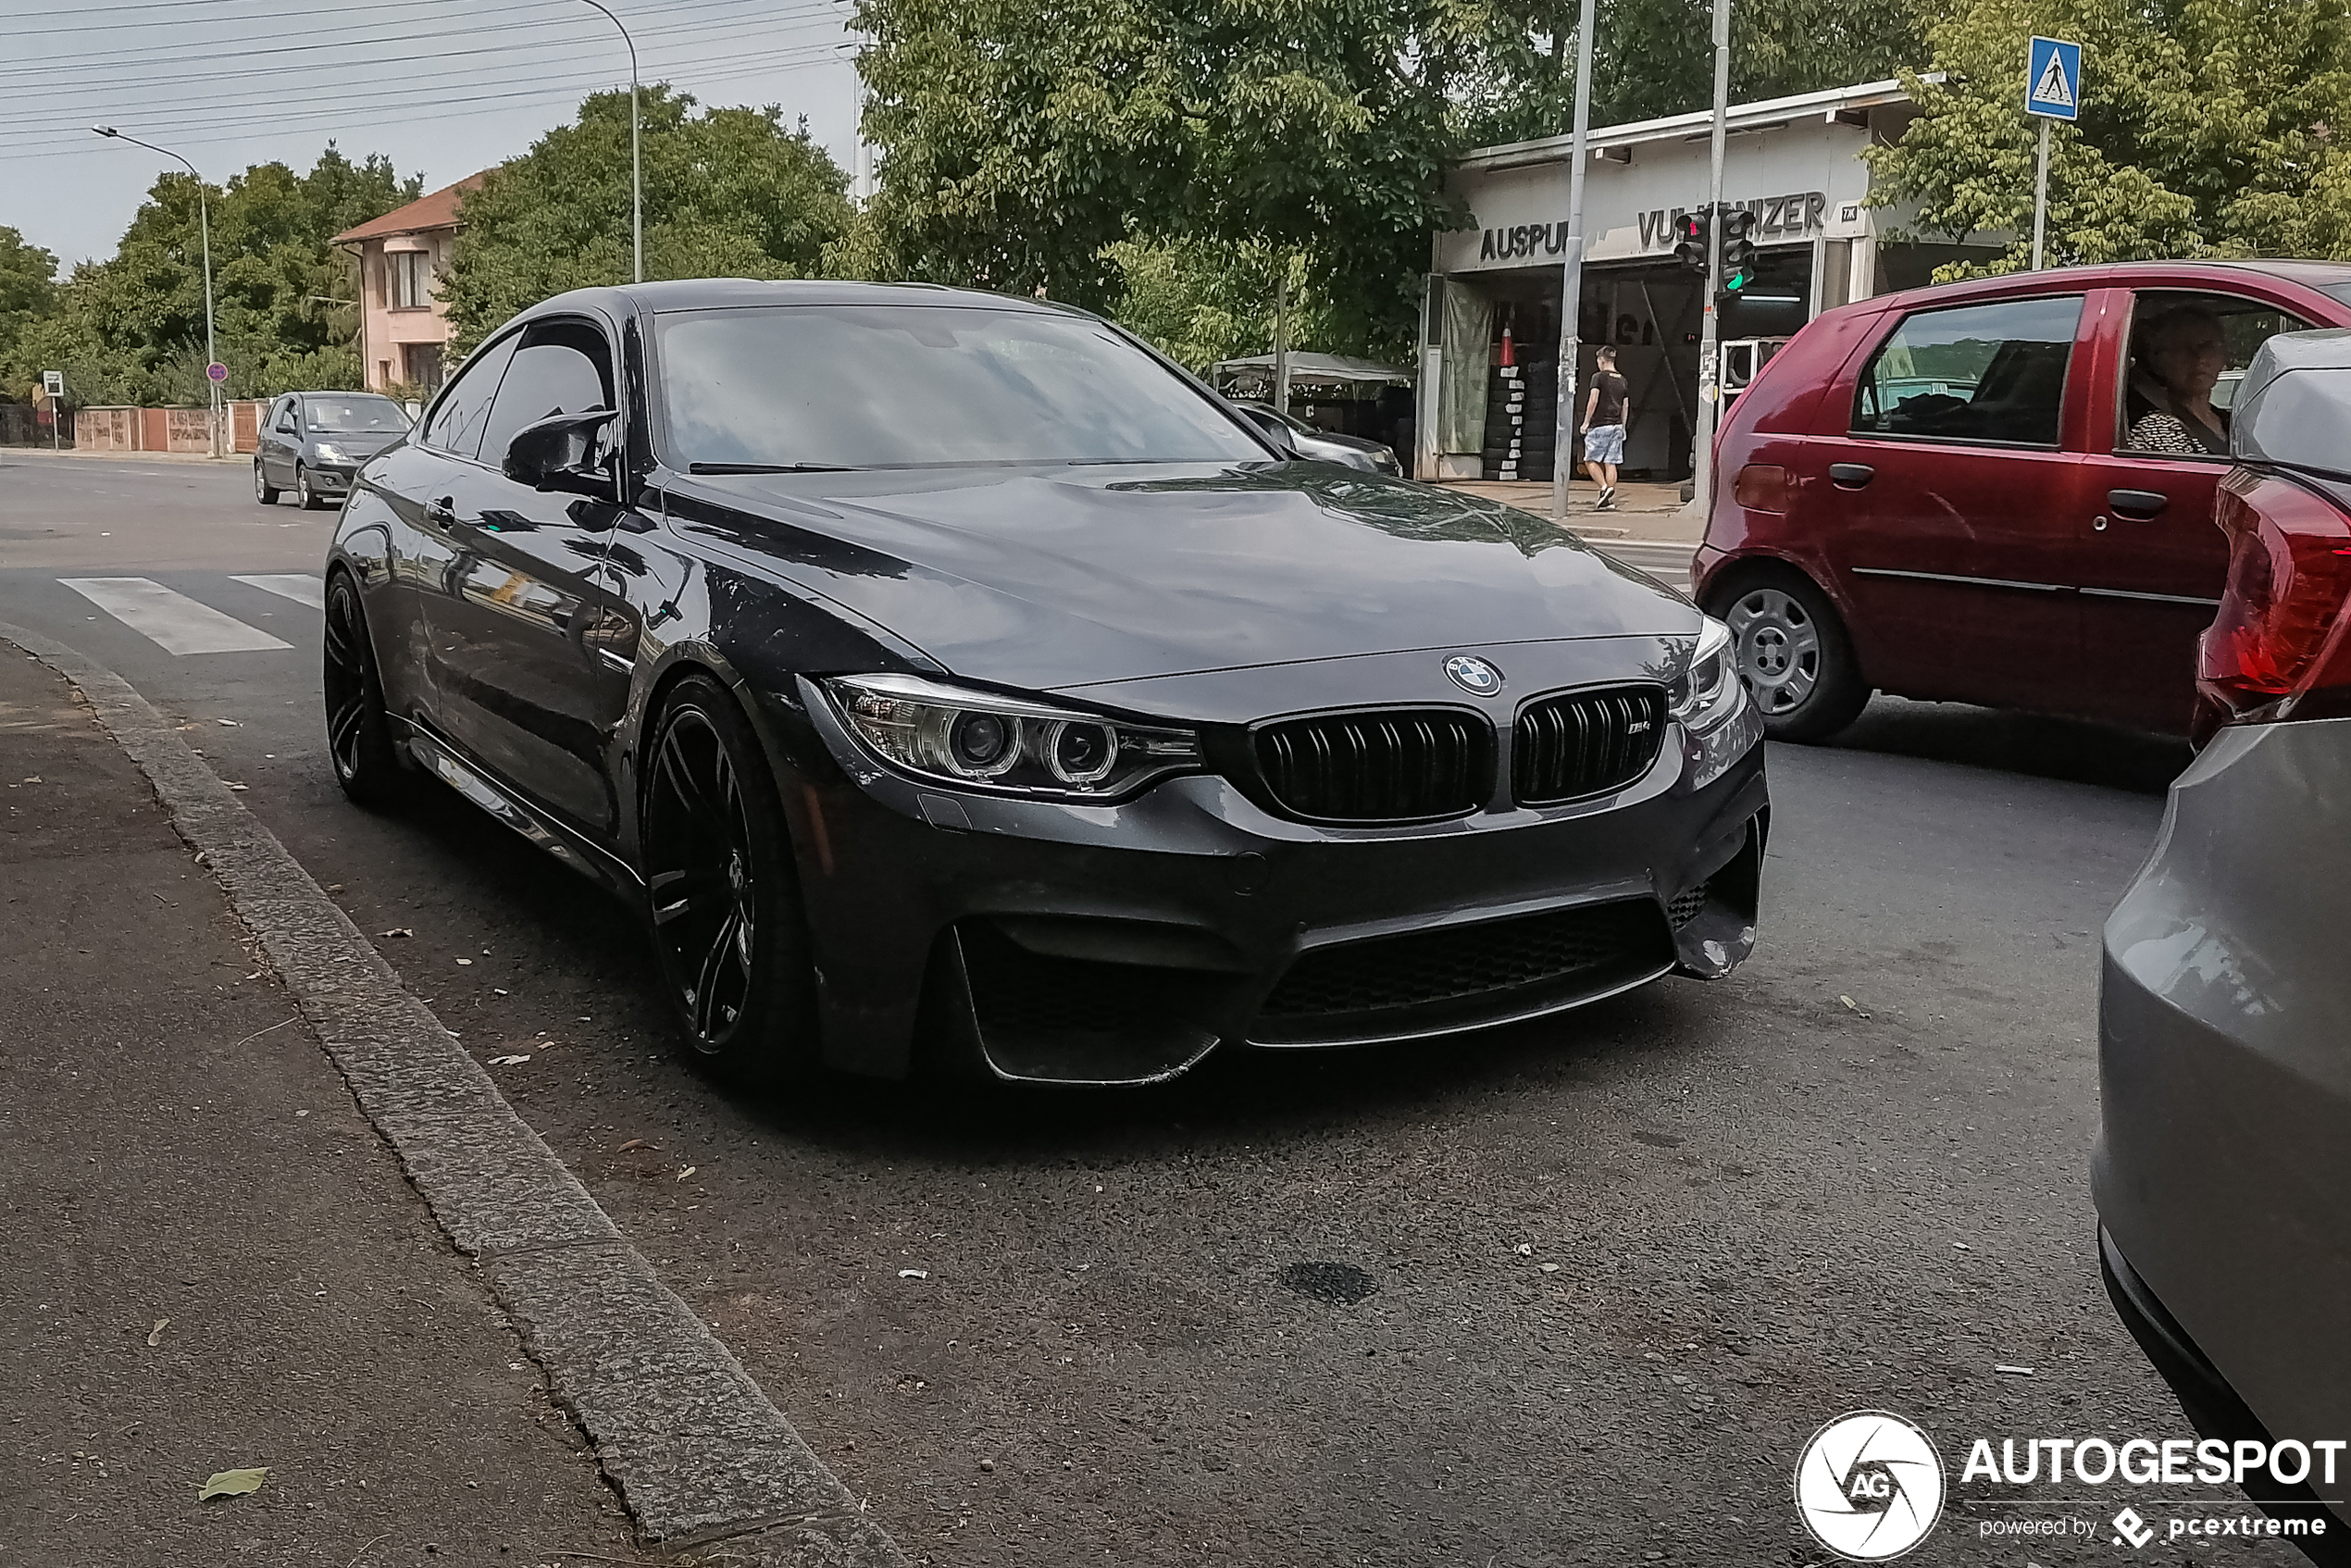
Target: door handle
2137, 504
443, 511
1850, 476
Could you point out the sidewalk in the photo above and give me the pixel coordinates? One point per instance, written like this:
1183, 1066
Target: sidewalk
177, 1151
100, 456
1643, 511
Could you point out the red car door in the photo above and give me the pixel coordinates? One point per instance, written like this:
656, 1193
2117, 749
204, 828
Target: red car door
1949, 503
2152, 561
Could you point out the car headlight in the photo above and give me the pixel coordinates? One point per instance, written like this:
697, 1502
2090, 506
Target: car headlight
1707, 688
982, 740
330, 452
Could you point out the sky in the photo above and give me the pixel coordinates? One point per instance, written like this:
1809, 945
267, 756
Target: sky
443, 87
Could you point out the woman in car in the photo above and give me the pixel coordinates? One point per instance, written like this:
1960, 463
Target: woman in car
2180, 356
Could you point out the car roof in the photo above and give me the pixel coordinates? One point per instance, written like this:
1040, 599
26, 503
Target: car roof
721, 293
2313, 275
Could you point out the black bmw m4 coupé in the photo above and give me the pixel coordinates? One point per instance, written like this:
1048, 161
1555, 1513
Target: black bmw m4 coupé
950, 678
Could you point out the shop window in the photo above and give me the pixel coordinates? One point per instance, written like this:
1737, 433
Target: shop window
2187, 355
1980, 373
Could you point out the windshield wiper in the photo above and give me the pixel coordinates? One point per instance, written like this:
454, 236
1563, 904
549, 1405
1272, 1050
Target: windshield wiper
769, 469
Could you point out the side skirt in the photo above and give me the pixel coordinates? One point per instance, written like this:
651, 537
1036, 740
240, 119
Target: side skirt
598, 866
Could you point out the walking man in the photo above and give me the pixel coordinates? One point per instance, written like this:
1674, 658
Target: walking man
1604, 429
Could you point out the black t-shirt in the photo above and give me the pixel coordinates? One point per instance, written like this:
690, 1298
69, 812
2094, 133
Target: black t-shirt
1610, 409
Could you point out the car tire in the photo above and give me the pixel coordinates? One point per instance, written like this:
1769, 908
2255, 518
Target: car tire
722, 894
359, 744
1793, 653
304, 494
263, 491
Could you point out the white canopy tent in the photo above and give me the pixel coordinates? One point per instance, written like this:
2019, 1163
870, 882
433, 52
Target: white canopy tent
1359, 376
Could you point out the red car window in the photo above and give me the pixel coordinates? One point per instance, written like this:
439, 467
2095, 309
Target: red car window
1980, 373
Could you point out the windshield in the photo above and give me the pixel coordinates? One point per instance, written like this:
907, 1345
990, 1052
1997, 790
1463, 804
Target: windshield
903, 386
356, 416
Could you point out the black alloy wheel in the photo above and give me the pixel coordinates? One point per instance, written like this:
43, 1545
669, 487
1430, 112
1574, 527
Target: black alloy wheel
263, 491
722, 894
358, 731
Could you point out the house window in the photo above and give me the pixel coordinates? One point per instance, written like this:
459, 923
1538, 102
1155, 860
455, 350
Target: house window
411, 279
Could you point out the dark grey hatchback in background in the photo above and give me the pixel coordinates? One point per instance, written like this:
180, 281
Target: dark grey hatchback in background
312, 444
2223, 1169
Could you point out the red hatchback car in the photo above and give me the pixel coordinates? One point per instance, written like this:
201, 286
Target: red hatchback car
1997, 491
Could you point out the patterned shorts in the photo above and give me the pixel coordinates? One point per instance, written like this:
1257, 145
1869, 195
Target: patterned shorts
1604, 443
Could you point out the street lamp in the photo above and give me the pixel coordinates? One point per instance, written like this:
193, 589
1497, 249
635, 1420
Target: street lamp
204, 227
636, 165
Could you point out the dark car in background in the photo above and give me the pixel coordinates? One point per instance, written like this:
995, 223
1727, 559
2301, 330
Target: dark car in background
947, 671
2223, 1167
1327, 446
311, 443
1951, 494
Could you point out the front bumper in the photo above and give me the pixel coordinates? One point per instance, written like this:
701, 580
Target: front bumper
2222, 1170
1051, 942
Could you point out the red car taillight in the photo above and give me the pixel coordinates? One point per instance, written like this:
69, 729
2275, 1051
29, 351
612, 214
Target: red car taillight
2277, 648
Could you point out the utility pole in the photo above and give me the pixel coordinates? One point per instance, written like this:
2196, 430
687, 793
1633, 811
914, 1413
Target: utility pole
1281, 335
1571, 273
636, 160
1710, 353
204, 228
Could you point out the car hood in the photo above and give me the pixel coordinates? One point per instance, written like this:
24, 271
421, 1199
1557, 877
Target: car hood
1069, 575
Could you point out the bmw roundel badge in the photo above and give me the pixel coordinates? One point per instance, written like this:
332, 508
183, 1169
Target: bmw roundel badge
1474, 674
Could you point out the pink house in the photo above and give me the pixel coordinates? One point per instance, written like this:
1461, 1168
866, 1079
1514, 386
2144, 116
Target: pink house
403, 329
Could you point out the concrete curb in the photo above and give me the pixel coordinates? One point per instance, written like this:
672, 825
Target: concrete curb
698, 1452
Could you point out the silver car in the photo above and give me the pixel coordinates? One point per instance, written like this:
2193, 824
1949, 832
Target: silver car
312, 444
1328, 446
2223, 1171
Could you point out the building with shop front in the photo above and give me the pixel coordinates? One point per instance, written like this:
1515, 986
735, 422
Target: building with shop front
403, 328
1796, 163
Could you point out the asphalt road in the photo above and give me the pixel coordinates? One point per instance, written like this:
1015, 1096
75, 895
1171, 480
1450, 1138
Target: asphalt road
1303, 1310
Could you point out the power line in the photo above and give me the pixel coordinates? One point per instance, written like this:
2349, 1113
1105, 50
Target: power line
151, 55
74, 148
148, 106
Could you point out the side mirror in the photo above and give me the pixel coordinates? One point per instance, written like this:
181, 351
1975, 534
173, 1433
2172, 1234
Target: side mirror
562, 452
1284, 439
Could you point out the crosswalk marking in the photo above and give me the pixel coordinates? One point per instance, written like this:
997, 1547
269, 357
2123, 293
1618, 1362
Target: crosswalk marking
300, 587
173, 621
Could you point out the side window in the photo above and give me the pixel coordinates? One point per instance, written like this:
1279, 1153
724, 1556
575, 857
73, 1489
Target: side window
2188, 353
455, 424
286, 413
1979, 373
562, 368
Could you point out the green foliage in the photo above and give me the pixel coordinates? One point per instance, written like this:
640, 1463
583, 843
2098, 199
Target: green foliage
2207, 127
1199, 301
728, 192
1021, 140
1653, 58
28, 285
132, 328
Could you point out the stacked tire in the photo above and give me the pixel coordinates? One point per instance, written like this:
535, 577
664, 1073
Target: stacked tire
1521, 422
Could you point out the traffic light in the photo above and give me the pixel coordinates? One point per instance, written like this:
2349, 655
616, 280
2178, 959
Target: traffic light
1692, 235
1738, 251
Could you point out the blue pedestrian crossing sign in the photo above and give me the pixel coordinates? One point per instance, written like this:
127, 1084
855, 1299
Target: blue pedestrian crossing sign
2053, 79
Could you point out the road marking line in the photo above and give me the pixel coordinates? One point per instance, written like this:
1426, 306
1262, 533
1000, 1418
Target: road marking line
300, 587
697, 1450
173, 621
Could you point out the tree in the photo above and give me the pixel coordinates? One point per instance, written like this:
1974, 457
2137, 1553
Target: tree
2208, 127
28, 285
132, 328
1652, 58
728, 193
1020, 139
1199, 301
